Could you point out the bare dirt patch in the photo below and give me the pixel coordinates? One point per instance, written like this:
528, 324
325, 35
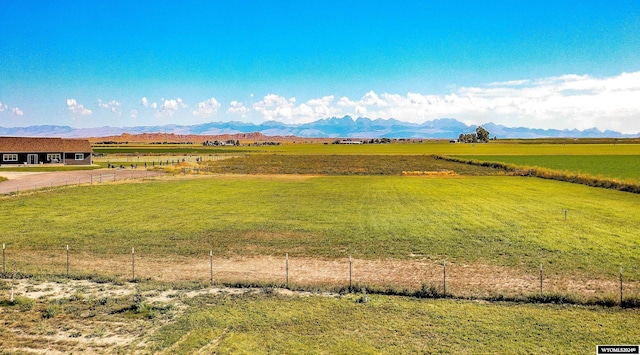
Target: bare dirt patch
469, 280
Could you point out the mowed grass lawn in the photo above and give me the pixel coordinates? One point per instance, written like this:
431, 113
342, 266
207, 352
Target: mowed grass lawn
511, 221
624, 167
257, 324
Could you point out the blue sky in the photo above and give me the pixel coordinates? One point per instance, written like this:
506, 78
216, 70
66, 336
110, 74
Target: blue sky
543, 64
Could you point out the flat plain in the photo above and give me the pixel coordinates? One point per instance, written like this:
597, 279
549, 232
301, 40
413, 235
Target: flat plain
322, 204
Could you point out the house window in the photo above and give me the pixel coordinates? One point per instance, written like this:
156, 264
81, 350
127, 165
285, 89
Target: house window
54, 157
79, 156
10, 157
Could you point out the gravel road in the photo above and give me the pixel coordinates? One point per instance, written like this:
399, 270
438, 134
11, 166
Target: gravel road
22, 181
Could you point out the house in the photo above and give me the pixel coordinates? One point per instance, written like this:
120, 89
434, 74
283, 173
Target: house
29, 151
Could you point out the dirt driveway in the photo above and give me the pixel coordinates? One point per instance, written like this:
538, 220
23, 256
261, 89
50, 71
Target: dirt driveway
22, 181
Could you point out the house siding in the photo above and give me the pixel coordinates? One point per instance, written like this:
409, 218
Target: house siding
70, 159
66, 148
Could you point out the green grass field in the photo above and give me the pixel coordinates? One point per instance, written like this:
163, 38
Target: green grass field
444, 148
342, 165
259, 321
625, 167
509, 221
361, 207
257, 324
511, 147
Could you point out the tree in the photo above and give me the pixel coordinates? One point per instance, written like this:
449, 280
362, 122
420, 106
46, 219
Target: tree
482, 134
468, 138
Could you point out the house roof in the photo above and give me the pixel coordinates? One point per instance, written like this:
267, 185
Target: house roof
43, 145
77, 145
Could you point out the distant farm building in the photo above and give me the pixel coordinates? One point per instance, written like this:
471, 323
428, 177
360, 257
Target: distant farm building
32, 151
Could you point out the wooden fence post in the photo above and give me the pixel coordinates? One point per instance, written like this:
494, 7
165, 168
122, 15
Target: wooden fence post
133, 265
211, 267
67, 260
350, 272
4, 263
13, 280
444, 278
620, 286
287, 268
540, 280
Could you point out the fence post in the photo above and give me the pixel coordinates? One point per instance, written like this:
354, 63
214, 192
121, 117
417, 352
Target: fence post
67, 260
540, 280
133, 265
565, 215
13, 280
350, 272
211, 267
287, 268
444, 278
620, 286
4, 264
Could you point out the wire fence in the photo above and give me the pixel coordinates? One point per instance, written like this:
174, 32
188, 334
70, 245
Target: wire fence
158, 160
74, 178
428, 278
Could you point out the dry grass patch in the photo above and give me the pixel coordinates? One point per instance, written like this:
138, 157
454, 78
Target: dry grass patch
463, 279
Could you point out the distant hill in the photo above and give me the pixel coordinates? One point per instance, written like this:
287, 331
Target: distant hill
334, 127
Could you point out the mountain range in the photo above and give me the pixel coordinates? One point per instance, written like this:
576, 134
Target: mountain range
338, 127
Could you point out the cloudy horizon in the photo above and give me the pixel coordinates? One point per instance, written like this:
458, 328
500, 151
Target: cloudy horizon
575, 68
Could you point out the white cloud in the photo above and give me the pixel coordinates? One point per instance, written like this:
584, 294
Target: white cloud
278, 108
133, 113
146, 103
207, 108
510, 83
77, 108
14, 110
372, 99
345, 102
169, 107
568, 101
275, 107
237, 108
113, 106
